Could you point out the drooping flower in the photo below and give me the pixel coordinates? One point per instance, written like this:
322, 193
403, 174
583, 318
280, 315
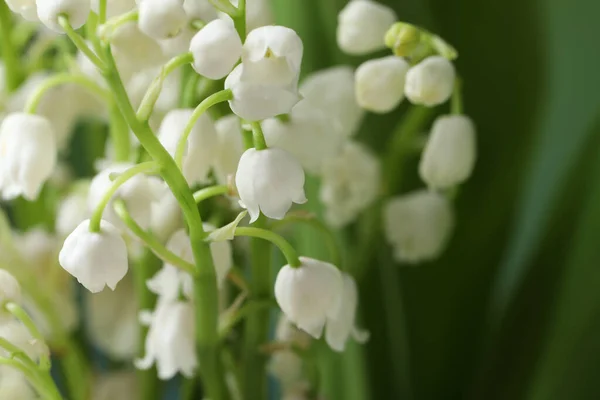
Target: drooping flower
171, 340
431, 82
76, 11
350, 183
310, 294
362, 26
449, 155
161, 19
380, 83
25, 8
418, 225
269, 181
216, 48
95, 259
27, 155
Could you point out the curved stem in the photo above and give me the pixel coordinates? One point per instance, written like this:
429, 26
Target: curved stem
286, 248
40, 381
245, 311
10, 55
149, 166
61, 79
119, 134
107, 29
150, 241
240, 20
206, 294
209, 192
258, 136
80, 43
153, 93
332, 243
207, 103
225, 6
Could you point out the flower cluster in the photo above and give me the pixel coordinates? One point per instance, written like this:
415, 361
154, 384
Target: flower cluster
208, 115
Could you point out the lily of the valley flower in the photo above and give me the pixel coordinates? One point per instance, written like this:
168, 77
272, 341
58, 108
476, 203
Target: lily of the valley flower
10, 290
450, 152
418, 225
216, 49
27, 155
25, 8
431, 82
199, 9
95, 259
170, 343
230, 147
380, 83
72, 210
77, 12
161, 19
269, 181
310, 294
362, 25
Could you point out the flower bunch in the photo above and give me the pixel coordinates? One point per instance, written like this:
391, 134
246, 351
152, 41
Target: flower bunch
209, 120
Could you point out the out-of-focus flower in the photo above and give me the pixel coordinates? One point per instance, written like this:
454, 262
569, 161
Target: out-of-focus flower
229, 149
25, 8
362, 25
10, 290
216, 48
430, 82
76, 11
161, 19
380, 83
269, 181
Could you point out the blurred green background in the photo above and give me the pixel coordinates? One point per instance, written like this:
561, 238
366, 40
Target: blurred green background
512, 309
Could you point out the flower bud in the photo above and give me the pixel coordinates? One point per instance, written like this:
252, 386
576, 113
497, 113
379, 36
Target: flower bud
171, 340
380, 83
403, 38
76, 11
362, 26
161, 19
10, 290
216, 48
430, 82
25, 8
310, 294
269, 181
450, 152
95, 259
28, 155
418, 225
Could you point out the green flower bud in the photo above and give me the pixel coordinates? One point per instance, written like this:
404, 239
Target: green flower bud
403, 38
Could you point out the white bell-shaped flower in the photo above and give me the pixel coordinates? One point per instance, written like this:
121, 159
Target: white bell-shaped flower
362, 26
161, 19
288, 368
10, 290
350, 183
310, 294
114, 7
201, 143
309, 135
431, 82
72, 210
199, 9
16, 333
171, 340
216, 49
342, 326
380, 83
95, 259
230, 147
27, 155
418, 225
137, 193
76, 11
111, 320
450, 152
25, 8
14, 385
255, 101
332, 91
269, 181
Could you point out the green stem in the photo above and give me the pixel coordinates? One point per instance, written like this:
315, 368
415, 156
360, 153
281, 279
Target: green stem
10, 55
61, 79
22, 316
121, 179
286, 248
246, 311
153, 93
119, 134
256, 329
42, 382
225, 6
209, 192
247, 139
190, 90
332, 243
207, 103
80, 43
258, 136
102, 11
108, 28
240, 20
456, 106
150, 241
205, 283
